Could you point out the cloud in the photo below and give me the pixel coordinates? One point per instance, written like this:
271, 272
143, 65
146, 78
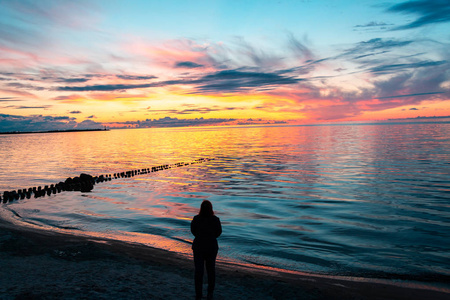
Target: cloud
75, 112
229, 81
376, 44
73, 80
136, 77
373, 24
18, 85
413, 108
11, 123
75, 15
18, 93
300, 49
411, 95
192, 110
428, 12
9, 99
105, 87
29, 107
386, 69
73, 98
187, 64
88, 124
174, 122
203, 55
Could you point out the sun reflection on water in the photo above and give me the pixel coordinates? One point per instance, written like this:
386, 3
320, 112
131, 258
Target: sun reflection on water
333, 199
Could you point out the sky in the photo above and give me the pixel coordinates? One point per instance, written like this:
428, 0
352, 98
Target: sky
92, 63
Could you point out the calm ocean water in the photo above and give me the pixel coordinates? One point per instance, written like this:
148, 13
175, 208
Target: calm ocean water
356, 200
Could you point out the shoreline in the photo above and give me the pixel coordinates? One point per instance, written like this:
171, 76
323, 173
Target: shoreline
54, 131
41, 264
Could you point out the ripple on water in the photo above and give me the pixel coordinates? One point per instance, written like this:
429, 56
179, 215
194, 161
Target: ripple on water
352, 200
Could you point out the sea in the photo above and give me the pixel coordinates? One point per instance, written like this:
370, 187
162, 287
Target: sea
354, 200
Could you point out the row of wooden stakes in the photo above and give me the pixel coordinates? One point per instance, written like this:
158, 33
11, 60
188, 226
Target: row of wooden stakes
86, 182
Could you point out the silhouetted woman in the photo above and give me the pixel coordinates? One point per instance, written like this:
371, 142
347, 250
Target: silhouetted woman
206, 228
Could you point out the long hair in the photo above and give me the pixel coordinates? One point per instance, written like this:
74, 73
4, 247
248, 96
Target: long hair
206, 209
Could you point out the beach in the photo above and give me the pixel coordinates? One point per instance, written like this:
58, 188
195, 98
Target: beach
37, 264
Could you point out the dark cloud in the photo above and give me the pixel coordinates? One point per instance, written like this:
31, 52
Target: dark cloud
371, 54
187, 64
411, 95
412, 86
235, 80
11, 123
136, 77
387, 69
88, 124
9, 99
222, 81
75, 112
73, 80
373, 24
105, 87
91, 117
57, 118
260, 122
413, 108
427, 11
175, 122
28, 107
424, 118
371, 46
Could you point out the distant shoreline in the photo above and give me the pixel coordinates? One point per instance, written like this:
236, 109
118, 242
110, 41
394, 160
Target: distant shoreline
53, 131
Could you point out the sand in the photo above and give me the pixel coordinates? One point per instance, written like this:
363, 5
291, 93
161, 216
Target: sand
37, 264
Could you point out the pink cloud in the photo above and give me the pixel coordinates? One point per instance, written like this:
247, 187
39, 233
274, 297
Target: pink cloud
18, 93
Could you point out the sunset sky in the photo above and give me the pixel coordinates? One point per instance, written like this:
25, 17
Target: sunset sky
85, 64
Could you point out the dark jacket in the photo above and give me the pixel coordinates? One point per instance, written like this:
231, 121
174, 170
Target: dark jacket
206, 231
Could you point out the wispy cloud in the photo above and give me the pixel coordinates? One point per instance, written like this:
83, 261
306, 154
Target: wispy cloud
227, 81
393, 68
373, 24
427, 12
9, 99
29, 107
300, 49
372, 46
187, 109
187, 64
136, 77
411, 95
105, 87
234, 80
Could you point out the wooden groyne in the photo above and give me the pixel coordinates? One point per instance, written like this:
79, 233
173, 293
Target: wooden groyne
86, 182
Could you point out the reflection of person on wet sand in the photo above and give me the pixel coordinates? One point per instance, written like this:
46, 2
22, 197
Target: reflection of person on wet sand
206, 228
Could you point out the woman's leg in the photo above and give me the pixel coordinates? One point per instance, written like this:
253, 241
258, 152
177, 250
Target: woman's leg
211, 271
199, 260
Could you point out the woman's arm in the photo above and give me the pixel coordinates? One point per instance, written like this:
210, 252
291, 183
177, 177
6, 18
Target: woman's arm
218, 228
194, 227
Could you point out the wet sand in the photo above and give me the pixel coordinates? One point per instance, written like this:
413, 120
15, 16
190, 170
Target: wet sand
37, 264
